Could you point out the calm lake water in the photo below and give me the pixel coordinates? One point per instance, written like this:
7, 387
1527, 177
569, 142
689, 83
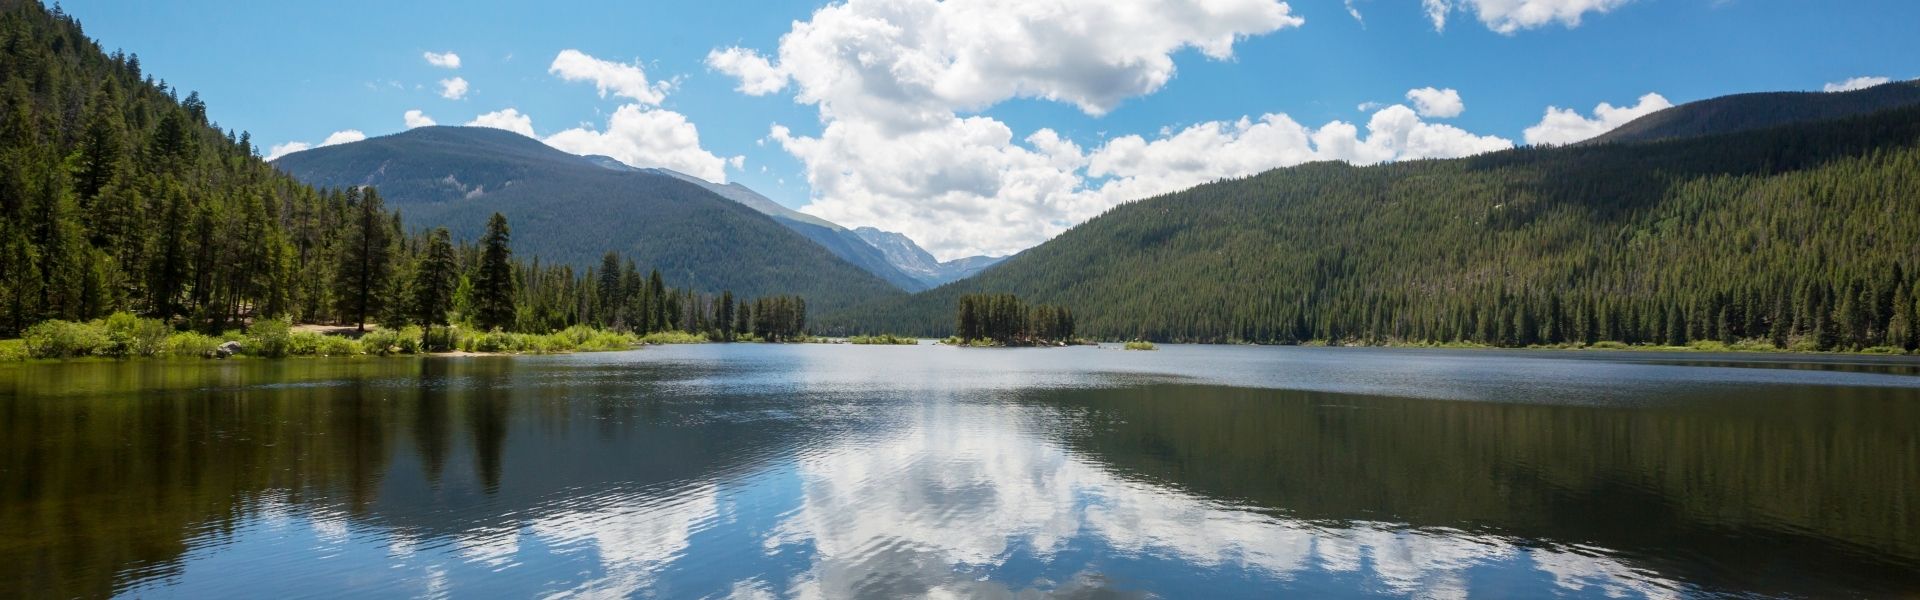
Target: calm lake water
855, 471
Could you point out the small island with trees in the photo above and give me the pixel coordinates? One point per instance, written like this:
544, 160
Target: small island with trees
1004, 320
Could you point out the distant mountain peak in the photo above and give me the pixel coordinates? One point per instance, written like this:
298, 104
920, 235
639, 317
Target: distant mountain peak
910, 258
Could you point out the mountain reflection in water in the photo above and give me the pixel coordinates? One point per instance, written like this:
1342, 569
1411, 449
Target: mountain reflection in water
839, 471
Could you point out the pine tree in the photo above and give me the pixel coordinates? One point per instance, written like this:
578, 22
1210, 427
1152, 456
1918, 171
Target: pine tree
609, 292
723, 315
1903, 331
434, 281
493, 303
366, 258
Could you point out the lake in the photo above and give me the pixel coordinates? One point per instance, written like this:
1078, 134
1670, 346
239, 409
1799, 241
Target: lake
872, 471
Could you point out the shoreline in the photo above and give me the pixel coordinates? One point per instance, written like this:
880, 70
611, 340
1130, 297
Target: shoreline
843, 341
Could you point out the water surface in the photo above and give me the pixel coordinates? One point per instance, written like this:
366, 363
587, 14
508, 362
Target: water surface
854, 471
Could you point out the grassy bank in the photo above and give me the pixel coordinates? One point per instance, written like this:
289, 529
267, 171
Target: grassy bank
127, 336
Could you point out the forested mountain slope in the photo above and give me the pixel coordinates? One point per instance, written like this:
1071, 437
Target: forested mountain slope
1746, 112
1799, 236
116, 194
888, 255
568, 209
836, 239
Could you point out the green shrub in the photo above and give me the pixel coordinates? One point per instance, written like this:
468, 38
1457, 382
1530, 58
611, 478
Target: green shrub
192, 343
308, 343
333, 345
1708, 345
1141, 345
65, 339
1882, 350
1608, 345
884, 339
271, 338
1754, 345
382, 342
13, 350
673, 337
588, 339
1804, 344
440, 339
129, 335
492, 341
303, 343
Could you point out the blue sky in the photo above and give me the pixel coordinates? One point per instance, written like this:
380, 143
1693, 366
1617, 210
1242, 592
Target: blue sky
960, 173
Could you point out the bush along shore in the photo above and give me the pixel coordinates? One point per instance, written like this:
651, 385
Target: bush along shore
124, 335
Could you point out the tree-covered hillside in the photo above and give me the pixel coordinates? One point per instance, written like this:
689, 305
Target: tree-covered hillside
1801, 236
566, 209
116, 193
1746, 112
841, 241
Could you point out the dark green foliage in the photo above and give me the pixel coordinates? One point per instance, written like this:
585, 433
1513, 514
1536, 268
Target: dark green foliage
115, 195
723, 316
366, 259
1004, 319
1799, 237
779, 318
493, 285
568, 210
435, 280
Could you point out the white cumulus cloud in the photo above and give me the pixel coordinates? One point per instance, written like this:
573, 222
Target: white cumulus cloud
279, 150
345, 136
453, 89
444, 60
1563, 126
1013, 194
1509, 16
509, 119
757, 76
897, 84
1437, 12
638, 133
647, 138
416, 118
1857, 83
910, 63
1436, 103
624, 80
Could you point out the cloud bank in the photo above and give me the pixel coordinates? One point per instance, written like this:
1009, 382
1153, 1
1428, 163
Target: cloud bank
898, 85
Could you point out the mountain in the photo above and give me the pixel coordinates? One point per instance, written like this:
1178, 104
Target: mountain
890, 256
918, 263
1745, 112
834, 238
1799, 236
569, 209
